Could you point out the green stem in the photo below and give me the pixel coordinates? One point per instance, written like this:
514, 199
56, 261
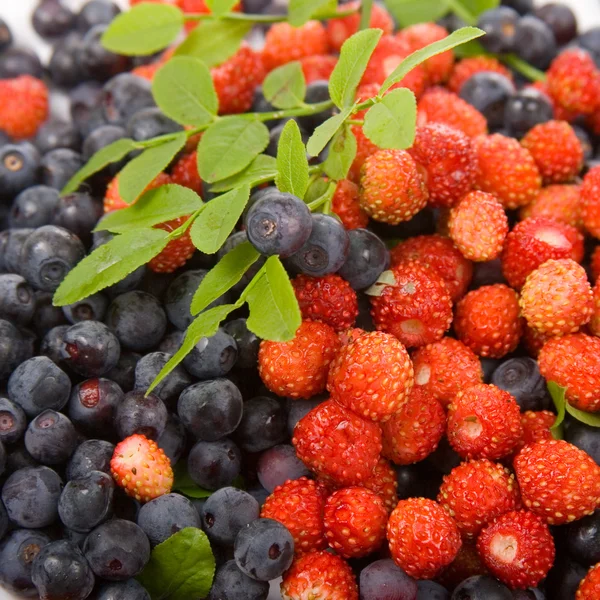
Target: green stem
365, 14
518, 64
308, 109
234, 16
355, 122
460, 11
325, 199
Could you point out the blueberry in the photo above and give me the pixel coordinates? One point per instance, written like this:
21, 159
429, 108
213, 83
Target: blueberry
86, 110
583, 539
46, 316
92, 405
2, 458
535, 42
58, 166
30, 496
173, 439
366, 259
11, 245
15, 347
34, 207
488, 92
95, 61
168, 390
123, 317
231, 583
482, 587
278, 464
91, 455
528, 594
122, 590
17, 301
299, 409
91, 308
561, 20
5, 35
57, 133
499, 25
564, 579
590, 41
275, 135
123, 96
430, 590
100, 138
117, 550
19, 167
20, 61
64, 66
261, 105
13, 421
52, 19
171, 342
51, 438
90, 348
19, 458
263, 424
96, 12
521, 377
247, 343
213, 465
52, 344
525, 109
316, 91
4, 522
384, 580
78, 212
150, 123
488, 366
278, 224
586, 143
140, 414
523, 7
212, 357
123, 372
585, 437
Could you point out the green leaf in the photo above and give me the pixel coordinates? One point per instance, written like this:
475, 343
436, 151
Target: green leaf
185, 485
142, 170
110, 263
274, 311
263, 167
145, 29
354, 57
557, 393
214, 42
155, 206
285, 86
591, 419
460, 36
341, 154
224, 275
409, 12
476, 7
220, 7
184, 91
470, 49
292, 164
301, 11
180, 568
392, 122
316, 190
324, 132
218, 218
105, 156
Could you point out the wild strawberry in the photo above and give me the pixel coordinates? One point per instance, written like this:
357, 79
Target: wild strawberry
484, 422
318, 67
590, 201
384, 481
112, 197
371, 376
558, 481
560, 112
319, 575
534, 340
413, 304
594, 324
534, 241
487, 320
536, 426
467, 67
141, 468
147, 71
298, 368
185, 172
415, 431
557, 297
574, 81
177, 252
23, 106
345, 204
449, 159
298, 504
337, 444
467, 563
284, 43
557, 202
478, 226
423, 538
446, 367
507, 170
589, 587
517, 548
438, 105
355, 520
476, 492
573, 361
595, 264
556, 150
198, 6
393, 188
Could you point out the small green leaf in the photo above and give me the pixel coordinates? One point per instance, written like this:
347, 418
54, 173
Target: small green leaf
557, 393
155, 206
184, 91
218, 218
392, 122
301, 11
185, 485
354, 57
476, 7
145, 29
104, 157
410, 12
262, 168
229, 146
138, 173
224, 275
341, 154
316, 190
324, 132
214, 42
292, 164
274, 311
110, 263
470, 49
220, 7
180, 568
591, 419
285, 86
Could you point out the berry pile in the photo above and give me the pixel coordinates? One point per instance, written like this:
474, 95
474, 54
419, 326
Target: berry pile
256, 338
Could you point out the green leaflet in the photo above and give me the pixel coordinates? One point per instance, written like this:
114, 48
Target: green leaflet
292, 164
285, 86
342, 152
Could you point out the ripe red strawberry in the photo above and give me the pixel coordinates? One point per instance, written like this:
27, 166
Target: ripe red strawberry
23, 106
147, 71
556, 150
574, 81
318, 67
590, 201
141, 468
438, 105
595, 264
345, 204
557, 202
177, 252
355, 520
484, 422
476, 492
423, 538
558, 481
536, 426
478, 226
557, 297
337, 444
415, 431
534, 241
319, 576
594, 324
393, 188
446, 367
573, 361
560, 112
384, 481
298, 504
284, 43
198, 6
507, 170
517, 548
448, 157
589, 587
487, 320
467, 564
185, 172
534, 340
467, 67
298, 368
371, 376
112, 197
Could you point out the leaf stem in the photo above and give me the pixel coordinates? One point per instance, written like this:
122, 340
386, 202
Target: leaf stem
307, 109
325, 199
355, 122
518, 64
365, 14
234, 16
